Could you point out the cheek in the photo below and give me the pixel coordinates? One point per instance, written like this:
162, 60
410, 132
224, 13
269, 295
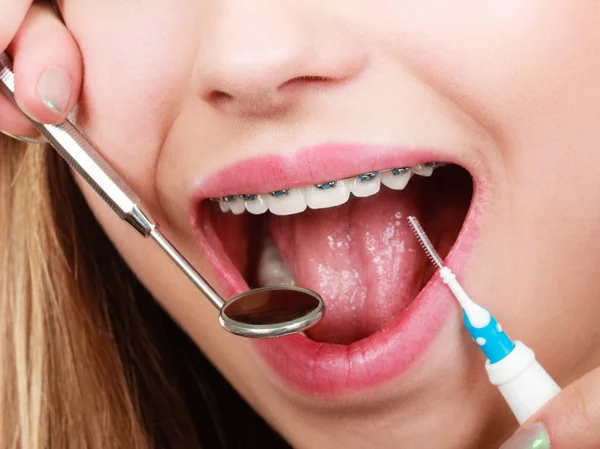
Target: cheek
137, 71
511, 65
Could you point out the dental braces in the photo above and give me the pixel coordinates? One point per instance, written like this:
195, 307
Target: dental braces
365, 177
329, 194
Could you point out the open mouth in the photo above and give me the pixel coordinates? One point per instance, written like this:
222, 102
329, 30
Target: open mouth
345, 237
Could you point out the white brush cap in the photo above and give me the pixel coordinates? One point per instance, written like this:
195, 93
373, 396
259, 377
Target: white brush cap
523, 382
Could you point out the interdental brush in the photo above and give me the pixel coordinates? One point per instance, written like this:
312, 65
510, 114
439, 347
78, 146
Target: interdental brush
511, 367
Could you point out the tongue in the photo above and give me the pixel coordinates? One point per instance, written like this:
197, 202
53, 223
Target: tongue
361, 257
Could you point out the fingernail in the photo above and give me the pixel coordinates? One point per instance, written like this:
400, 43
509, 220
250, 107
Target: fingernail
54, 89
531, 437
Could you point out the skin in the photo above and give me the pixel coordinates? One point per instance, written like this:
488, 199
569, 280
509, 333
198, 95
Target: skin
511, 88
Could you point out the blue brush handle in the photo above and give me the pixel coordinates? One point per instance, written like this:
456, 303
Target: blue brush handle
491, 339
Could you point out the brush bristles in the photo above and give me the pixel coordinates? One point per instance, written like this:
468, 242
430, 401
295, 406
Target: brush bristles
429, 256
425, 242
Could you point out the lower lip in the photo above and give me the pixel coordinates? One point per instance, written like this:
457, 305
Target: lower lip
330, 370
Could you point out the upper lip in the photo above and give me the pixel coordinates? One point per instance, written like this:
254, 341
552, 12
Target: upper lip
316, 164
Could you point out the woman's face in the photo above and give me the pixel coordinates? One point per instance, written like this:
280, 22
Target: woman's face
191, 100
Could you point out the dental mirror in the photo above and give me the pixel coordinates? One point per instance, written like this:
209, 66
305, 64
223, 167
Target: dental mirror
271, 312
260, 313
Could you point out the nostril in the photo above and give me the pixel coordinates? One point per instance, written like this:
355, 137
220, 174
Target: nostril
311, 78
218, 96
306, 80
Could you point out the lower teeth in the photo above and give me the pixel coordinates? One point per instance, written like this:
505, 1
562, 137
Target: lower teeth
272, 270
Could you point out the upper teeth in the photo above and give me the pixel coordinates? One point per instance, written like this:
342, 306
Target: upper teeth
324, 195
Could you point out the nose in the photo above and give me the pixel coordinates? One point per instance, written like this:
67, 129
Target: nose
260, 57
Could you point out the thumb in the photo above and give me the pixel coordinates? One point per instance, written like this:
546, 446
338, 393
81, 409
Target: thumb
570, 420
48, 71
47, 66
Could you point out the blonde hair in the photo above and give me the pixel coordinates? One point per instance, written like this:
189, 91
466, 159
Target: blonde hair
57, 354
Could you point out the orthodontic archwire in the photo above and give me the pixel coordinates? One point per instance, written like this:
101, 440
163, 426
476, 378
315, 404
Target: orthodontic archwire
511, 366
363, 177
